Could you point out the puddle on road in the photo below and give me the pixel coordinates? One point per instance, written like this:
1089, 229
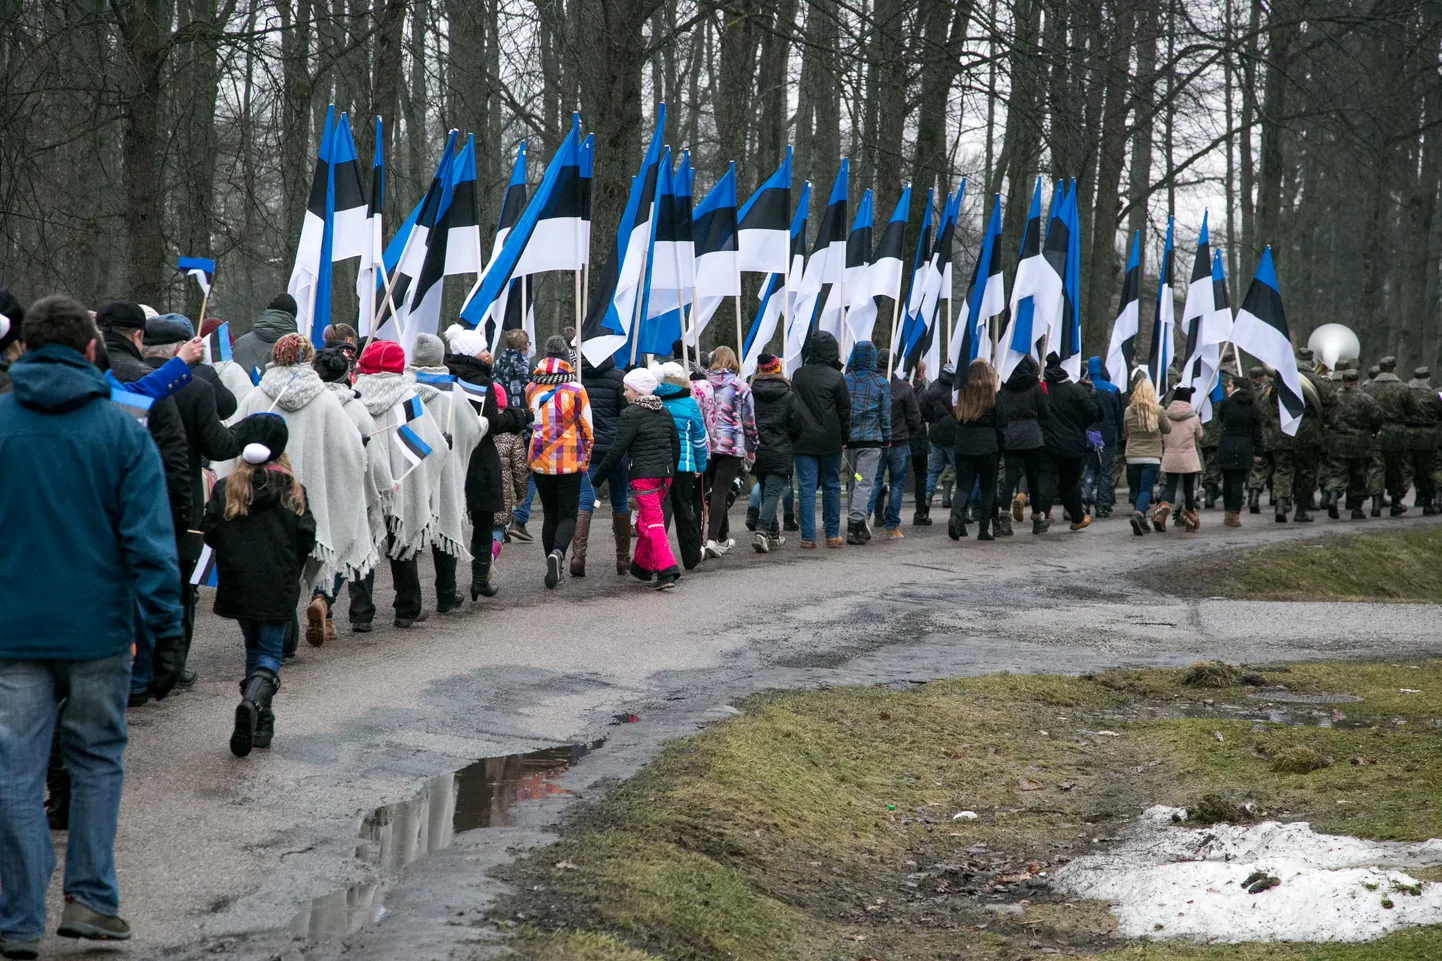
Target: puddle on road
480, 795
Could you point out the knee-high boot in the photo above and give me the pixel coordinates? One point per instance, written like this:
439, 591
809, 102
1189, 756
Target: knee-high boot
578, 544
621, 526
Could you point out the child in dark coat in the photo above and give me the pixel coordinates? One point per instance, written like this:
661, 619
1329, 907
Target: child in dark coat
261, 530
646, 433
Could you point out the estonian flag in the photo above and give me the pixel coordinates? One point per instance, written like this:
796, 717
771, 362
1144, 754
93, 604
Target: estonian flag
1049, 297
1069, 344
827, 264
372, 265
205, 574
136, 405
770, 311
714, 234
985, 298
938, 283
559, 238
670, 269
853, 278
408, 247
607, 328
1261, 330
911, 312
255, 376
475, 393
409, 410
1021, 334
1163, 349
310, 277
352, 233
412, 447
453, 246
883, 276
507, 307
763, 242
435, 380
588, 154
201, 268
1122, 348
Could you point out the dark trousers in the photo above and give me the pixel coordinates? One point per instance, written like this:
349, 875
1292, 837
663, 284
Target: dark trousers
1019, 464
405, 575
1068, 486
1234, 488
721, 473
918, 474
560, 500
1424, 464
683, 505
188, 548
1189, 490
1392, 466
445, 576
971, 468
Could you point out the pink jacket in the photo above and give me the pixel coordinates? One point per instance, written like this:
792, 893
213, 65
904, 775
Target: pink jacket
1179, 446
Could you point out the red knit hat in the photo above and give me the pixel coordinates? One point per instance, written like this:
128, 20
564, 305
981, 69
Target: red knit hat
382, 357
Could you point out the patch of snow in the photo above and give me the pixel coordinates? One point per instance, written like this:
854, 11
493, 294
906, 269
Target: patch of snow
1176, 882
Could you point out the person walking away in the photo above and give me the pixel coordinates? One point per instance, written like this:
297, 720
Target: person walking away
1353, 423
823, 408
386, 392
1143, 424
646, 435
262, 532
85, 503
1097, 489
1422, 437
1072, 408
732, 444
683, 501
1239, 444
1180, 461
936, 410
1024, 408
906, 423
560, 451
870, 434
980, 435
513, 374
1295, 456
920, 452
607, 394
777, 426
1261, 476
254, 349
1399, 411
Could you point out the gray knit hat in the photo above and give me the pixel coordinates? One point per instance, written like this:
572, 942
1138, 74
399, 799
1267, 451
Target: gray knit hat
429, 351
556, 346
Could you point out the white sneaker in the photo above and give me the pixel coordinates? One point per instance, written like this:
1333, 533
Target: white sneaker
712, 549
778, 541
730, 543
760, 543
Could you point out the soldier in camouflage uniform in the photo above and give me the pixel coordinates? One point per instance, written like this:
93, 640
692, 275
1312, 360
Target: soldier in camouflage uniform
1423, 434
1327, 392
1352, 423
1261, 476
1296, 460
1399, 410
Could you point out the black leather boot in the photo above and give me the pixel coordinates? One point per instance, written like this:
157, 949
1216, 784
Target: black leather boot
1254, 501
255, 692
1376, 505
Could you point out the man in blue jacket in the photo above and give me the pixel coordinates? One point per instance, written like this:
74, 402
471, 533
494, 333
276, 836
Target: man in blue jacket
1103, 439
88, 544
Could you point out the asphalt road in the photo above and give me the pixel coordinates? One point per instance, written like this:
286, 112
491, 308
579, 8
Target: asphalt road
220, 856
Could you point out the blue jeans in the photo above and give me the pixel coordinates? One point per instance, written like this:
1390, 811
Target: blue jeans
788, 498
616, 481
92, 737
522, 511
775, 486
1140, 478
264, 642
895, 460
1097, 481
936, 462
827, 471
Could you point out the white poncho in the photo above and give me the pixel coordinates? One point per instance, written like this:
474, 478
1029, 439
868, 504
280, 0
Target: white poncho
465, 429
414, 515
380, 485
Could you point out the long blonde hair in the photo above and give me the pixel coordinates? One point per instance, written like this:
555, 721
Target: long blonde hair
724, 358
979, 394
1144, 402
239, 493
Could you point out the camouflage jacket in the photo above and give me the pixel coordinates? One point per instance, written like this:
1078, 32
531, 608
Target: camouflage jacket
1424, 427
1309, 431
1352, 423
1399, 409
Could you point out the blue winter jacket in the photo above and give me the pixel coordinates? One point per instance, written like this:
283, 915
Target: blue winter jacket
690, 426
84, 515
164, 381
870, 399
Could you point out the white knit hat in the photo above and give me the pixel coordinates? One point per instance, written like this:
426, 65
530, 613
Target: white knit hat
641, 380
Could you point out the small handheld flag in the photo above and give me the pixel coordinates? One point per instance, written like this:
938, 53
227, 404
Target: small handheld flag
201, 268
410, 409
222, 342
412, 447
255, 376
136, 405
475, 393
435, 380
205, 574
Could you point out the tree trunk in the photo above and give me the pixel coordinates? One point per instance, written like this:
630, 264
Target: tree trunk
144, 32
1103, 269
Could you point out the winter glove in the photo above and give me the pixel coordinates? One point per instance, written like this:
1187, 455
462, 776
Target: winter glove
485, 426
450, 445
169, 662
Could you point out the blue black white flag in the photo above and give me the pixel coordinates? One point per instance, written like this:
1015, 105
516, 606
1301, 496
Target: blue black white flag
1022, 333
1163, 349
205, 574
763, 243
1261, 330
985, 299
911, 312
408, 247
475, 393
372, 265
201, 268
774, 294
559, 235
453, 246
1121, 350
412, 447
883, 276
827, 264
504, 313
713, 230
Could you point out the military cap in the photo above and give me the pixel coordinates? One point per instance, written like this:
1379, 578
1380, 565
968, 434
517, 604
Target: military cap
1350, 376
1373, 371
1304, 355
1422, 373
1387, 363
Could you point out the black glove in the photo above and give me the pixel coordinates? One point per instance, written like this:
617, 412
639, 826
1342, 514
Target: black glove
169, 662
450, 443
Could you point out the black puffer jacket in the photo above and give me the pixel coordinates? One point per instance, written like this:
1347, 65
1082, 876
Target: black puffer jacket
1024, 407
985, 435
1072, 408
776, 424
165, 426
936, 408
646, 433
484, 495
1241, 431
608, 398
259, 554
906, 419
823, 405
205, 436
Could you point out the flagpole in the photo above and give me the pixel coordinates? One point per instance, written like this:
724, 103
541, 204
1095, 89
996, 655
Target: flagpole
740, 339
577, 344
636, 308
891, 354
947, 341
390, 301
842, 286
685, 353
785, 310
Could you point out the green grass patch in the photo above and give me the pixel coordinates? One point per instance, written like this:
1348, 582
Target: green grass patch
819, 825
1392, 568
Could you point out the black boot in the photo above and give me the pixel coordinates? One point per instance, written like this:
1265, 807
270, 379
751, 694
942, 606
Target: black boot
983, 530
1281, 513
922, 518
1376, 505
265, 719
1209, 499
1302, 516
853, 534
956, 525
255, 691
753, 514
946, 495
481, 585
1254, 501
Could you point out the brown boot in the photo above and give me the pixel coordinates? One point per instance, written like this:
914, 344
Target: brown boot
1233, 519
1190, 521
578, 544
621, 526
1159, 517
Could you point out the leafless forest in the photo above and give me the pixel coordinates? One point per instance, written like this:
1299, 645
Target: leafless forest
135, 131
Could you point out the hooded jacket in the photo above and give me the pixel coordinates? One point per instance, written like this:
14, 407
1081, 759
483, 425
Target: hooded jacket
870, 399
259, 555
1109, 399
906, 419
1024, 407
562, 438
254, 349
485, 482
1179, 445
607, 395
823, 405
1071, 409
733, 432
165, 426
690, 426
84, 507
935, 403
1241, 431
777, 424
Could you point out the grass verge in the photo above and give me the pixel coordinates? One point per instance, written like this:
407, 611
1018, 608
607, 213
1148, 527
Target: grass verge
1395, 568
823, 825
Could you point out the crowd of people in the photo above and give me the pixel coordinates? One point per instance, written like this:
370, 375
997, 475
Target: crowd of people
138, 467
